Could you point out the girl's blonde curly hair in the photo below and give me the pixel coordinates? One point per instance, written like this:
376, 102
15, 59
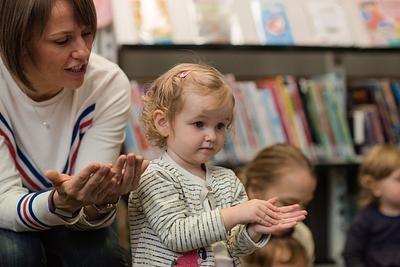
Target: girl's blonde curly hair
378, 164
166, 92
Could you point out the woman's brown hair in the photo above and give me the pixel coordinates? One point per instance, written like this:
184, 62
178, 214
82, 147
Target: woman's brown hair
20, 18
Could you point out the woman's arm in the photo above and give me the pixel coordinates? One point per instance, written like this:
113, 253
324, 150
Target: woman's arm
21, 210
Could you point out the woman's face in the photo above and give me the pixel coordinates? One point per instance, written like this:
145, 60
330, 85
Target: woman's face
59, 56
294, 185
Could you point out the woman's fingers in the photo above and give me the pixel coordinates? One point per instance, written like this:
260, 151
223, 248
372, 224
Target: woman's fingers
138, 172
90, 193
83, 175
118, 168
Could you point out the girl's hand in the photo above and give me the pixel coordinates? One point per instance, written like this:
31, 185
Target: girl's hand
289, 217
253, 211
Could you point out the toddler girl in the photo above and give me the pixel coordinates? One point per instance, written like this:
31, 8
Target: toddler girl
187, 212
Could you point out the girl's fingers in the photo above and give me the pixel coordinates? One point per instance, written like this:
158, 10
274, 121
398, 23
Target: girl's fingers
293, 214
272, 213
290, 208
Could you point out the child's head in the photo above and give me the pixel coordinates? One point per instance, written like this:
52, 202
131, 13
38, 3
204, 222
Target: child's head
283, 251
379, 177
280, 170
188, 108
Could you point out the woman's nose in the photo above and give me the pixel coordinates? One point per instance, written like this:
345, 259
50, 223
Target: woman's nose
81, 50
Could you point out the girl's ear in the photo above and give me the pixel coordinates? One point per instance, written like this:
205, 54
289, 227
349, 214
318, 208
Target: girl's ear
161, 122
376, 188
369, 182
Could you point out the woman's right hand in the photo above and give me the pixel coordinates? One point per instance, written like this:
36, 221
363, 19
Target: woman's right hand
97, 183
75, 192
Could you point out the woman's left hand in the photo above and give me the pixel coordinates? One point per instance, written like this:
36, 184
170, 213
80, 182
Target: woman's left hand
124, 177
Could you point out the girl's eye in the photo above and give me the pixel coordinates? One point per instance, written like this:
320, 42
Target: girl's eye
199, 124
221, 126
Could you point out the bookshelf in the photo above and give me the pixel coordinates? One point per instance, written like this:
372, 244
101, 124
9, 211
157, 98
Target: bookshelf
143, 62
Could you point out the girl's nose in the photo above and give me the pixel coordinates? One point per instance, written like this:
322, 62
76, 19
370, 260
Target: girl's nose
210, 136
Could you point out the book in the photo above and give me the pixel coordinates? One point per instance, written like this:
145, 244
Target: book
152, 21
123, 23
272, 22
391, 11
243, 16
329, 22
212, 20
375, 22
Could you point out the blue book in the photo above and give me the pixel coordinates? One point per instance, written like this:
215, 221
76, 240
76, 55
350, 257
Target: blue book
275, 24
396, 92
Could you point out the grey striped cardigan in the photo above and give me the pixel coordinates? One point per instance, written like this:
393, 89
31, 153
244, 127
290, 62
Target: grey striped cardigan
167, 219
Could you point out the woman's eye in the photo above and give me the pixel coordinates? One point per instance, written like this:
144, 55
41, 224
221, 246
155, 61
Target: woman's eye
85, 34
62, 41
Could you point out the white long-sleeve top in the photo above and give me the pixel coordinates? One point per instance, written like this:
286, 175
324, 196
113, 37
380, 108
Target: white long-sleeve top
86, 125
168, 223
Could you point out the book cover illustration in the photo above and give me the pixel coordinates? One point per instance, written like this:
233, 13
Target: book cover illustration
213, 21
329, 23
375, 22
152, 21
391, 9
275, 24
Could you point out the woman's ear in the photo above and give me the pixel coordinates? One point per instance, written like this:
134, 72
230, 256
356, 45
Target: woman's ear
161, 122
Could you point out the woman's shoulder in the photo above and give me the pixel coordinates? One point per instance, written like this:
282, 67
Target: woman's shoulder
101, 69
100, 63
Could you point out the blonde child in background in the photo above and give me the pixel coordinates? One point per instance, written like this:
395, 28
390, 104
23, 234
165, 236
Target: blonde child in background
187, 212
282, 251
282, 170
374, 235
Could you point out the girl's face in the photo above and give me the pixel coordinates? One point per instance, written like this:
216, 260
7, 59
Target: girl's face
59, 56
294, 185
387, 191
198, 131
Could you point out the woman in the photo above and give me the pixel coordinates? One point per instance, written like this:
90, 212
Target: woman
63, 112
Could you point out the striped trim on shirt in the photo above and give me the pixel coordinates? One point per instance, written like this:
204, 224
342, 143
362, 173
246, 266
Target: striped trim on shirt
31, 176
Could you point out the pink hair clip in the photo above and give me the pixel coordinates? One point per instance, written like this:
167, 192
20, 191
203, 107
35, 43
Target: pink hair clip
184, 73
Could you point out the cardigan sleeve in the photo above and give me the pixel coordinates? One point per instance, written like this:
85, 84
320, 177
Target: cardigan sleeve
164, 205
239, 242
